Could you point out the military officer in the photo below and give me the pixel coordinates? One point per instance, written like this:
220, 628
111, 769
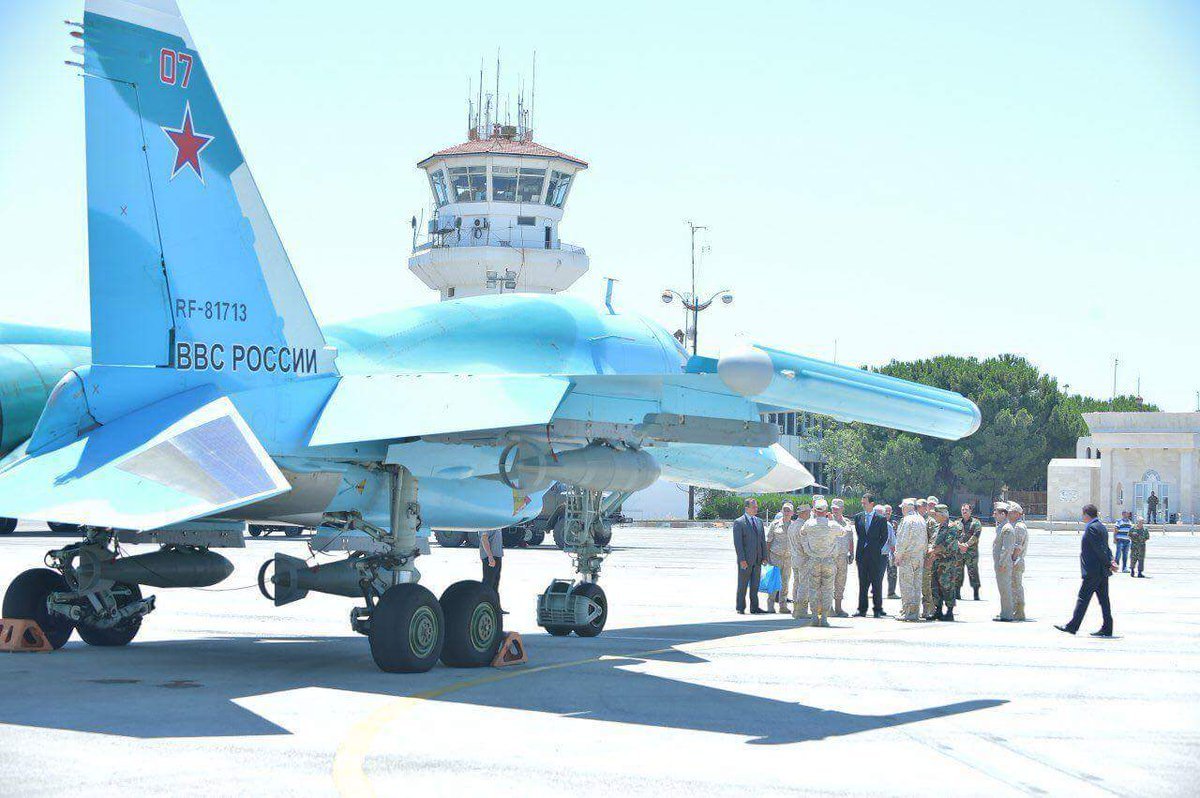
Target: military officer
969, 531
912, 542
1002, 558
931, 528
820, 538
780, 556
799, 563
1137, 548
844, 557
1020, 544
946, 552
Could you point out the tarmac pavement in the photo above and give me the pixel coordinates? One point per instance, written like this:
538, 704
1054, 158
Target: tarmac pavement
223, 694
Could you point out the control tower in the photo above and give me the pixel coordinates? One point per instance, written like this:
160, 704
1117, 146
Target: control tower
498, 199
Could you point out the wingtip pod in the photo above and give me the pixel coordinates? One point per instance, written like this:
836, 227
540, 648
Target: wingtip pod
846, 393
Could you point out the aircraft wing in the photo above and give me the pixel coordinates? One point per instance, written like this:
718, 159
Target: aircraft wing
184, 457
388, 406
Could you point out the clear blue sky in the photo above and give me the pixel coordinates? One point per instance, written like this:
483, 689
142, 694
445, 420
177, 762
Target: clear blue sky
1025, 175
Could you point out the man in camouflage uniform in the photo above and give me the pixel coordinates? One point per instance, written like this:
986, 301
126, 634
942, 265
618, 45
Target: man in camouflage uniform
969, 532
779, 556
1137, 547
799, 563
931, 529
1002, 558
946, 553
912, 543
844, 557
820, 538
1020, 544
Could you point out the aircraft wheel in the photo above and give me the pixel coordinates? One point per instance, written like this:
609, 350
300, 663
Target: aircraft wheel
558, 631
472, 539
55, 526
560, 531
292, 531
255, 531
121, 634
26, 598
513, 537
605, 536
596, 594
407, 630
450, 540
537, 536
7, 526
474, 625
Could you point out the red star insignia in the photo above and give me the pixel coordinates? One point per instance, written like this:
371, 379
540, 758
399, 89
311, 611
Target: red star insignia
188, 144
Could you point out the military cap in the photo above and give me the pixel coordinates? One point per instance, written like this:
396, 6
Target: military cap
1013, 507
1001, 506
932, 500
919, 502
820, 504
908, 503
787, 504
837, 504
941, 508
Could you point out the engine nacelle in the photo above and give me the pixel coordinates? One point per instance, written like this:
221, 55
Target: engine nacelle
594, 467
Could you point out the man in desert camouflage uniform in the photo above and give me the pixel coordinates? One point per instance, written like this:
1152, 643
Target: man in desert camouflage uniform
799, 563
911, 547
820, 538
969, 532
946, 553
931, 527
844, 557
780, 556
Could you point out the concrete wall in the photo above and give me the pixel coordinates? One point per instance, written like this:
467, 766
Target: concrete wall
1070, 484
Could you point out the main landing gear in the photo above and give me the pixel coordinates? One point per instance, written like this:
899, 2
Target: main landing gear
409, 629
581, 606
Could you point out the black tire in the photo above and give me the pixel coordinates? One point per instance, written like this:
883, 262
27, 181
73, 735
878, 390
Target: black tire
26, 598
605, 536
71, 529
121, 634
537, 536
255, 531
407, 630
472, 539
449, 540
594, 592
558, 631
292, 531
474, 625
7, 526
513, 537
559, 530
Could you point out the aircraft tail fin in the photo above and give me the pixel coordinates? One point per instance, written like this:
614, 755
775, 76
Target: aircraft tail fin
186, 268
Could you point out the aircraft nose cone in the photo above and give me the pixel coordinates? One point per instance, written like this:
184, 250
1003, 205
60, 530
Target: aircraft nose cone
746, 370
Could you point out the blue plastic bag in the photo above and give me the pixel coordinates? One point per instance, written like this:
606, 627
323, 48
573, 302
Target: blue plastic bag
771, 581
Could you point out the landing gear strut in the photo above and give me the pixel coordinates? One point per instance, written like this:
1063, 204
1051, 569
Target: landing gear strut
580, 607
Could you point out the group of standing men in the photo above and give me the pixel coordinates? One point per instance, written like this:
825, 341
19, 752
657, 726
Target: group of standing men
928, 554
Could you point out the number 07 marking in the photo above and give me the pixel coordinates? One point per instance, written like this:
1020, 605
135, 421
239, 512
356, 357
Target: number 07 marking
174, 68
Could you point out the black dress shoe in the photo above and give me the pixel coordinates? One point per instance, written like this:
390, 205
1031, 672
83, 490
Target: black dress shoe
1064, 629
741, 612
880, 614
757, 611
860, 615
977, 594
948, 616
1102, 633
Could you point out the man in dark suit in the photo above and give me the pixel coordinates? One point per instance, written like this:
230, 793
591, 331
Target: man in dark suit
750, 543
870, 535
1097, 564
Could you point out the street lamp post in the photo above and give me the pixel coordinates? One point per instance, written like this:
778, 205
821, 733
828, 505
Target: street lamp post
693, 304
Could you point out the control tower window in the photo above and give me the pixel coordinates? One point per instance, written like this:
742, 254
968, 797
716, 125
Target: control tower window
529, 184
469, 182
504, 184
556, 192
438, 181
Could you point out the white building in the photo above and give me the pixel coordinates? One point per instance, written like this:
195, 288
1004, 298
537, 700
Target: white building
498, 199
1127, 457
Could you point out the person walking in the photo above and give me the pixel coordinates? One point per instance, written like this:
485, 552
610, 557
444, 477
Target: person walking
1121, 539
945, 556
491, 553
1096, 565
780, 556
844, 558
969, 531
911, 546
1138, 537
750, 545
1152, 507
1002, 559
870, 533
1016, 517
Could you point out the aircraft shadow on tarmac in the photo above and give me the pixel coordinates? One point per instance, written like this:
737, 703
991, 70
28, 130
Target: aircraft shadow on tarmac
189, 688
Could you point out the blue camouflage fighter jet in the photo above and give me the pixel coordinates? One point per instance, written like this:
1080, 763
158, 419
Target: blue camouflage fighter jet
213, 397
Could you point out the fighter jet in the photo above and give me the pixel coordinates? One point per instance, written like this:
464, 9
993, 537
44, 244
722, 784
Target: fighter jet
213, 397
